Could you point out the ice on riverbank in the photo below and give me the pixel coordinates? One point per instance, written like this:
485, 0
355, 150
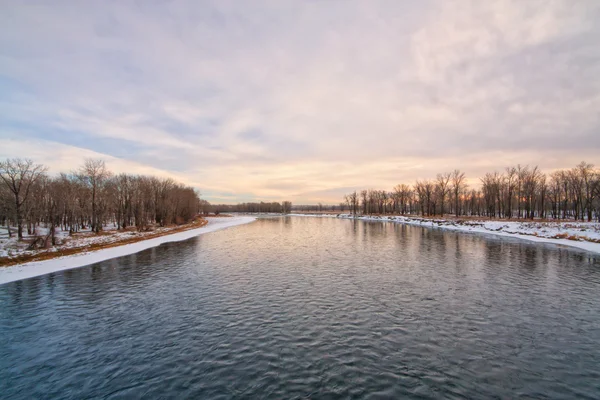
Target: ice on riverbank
582, 235
37, 268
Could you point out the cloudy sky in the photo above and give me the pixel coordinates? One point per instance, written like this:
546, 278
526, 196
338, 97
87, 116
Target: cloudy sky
301, 100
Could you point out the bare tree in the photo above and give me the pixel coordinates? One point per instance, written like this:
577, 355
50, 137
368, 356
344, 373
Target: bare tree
286, 207
511, 181
564, 194
442, 183
352, 200
457, 187
19, 176
364, 198
522, 173
94, 173
530, 186
425, 190
404, 194
587, 178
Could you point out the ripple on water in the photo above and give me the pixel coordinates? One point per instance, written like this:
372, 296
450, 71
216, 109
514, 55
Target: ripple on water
301, 307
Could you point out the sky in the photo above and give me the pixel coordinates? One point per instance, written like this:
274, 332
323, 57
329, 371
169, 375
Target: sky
300, 100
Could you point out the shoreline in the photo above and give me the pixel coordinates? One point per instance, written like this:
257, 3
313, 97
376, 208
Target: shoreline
518, 230
37, 268
89, 242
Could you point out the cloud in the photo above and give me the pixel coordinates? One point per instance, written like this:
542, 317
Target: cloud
65, 158
301, 100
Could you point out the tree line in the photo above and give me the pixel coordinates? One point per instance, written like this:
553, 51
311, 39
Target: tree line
520, 192
89, 198
284, 207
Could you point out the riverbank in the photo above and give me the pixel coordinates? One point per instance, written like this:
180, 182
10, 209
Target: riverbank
61, 263
13, 252
582, 235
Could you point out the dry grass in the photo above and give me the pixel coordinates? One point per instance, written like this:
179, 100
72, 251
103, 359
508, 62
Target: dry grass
50, 254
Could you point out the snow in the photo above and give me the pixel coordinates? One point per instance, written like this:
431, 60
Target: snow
37, 268
11, 247
582, 235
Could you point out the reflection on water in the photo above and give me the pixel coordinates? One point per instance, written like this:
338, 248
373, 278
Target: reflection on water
310, 307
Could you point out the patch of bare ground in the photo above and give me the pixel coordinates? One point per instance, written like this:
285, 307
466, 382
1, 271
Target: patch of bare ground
55, 252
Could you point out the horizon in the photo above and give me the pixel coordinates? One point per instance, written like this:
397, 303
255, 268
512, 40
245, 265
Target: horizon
300, 101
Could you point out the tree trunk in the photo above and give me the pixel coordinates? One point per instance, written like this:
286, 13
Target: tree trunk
19, 221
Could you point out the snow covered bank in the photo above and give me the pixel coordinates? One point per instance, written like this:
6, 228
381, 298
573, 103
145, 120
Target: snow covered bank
582, 235
36, 268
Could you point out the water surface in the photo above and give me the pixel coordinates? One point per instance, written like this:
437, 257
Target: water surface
308, 307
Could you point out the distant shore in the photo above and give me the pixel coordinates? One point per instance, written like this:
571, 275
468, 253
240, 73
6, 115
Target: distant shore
581, 235
86, 256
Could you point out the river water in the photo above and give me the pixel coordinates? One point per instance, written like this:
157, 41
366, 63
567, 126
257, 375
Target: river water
310, 307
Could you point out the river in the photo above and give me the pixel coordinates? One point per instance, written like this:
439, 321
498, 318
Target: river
296, 307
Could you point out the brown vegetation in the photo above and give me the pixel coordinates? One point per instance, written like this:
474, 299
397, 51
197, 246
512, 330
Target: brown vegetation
517, 193
89, 198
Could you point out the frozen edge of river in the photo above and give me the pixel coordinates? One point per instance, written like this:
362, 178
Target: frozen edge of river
37, 268
495, 229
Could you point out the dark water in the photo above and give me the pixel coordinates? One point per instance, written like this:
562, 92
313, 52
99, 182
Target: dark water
306, 307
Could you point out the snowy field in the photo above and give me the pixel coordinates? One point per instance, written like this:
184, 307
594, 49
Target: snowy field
36, 268
583, 235
11, 247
